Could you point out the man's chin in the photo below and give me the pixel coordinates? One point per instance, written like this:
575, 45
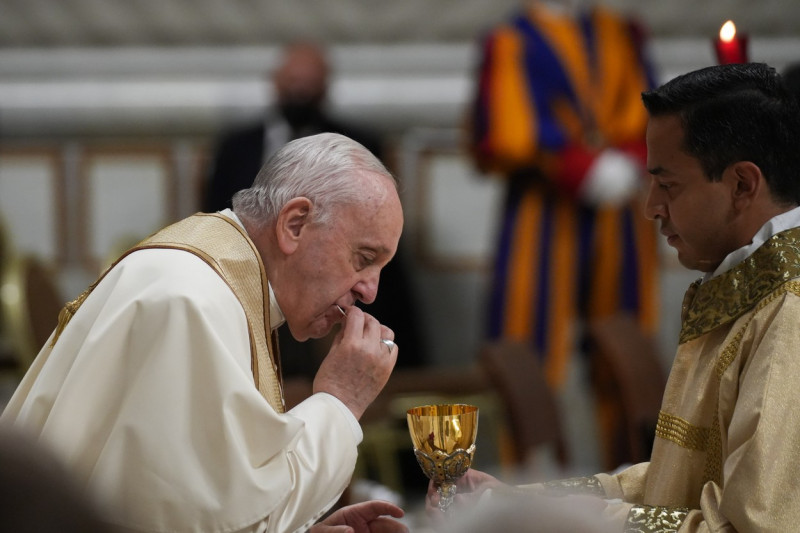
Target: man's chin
318, 329
299, 336
692, 263
687, 262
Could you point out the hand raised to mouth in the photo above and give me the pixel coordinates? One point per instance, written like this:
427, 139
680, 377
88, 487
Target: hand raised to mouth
389, 343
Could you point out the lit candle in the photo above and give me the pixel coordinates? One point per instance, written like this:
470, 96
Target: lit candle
731, 47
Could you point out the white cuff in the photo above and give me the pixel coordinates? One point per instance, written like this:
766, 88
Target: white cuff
348, 414
612, 180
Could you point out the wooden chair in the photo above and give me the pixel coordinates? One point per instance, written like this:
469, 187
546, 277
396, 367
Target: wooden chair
629, 382
29, 303
8, 359
533, 418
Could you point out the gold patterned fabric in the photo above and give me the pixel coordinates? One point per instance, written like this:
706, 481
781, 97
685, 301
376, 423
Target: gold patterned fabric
575, 485
647, 519
221, 243
725, 457
725, 298
681, 432
227, 249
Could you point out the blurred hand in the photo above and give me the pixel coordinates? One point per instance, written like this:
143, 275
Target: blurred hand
469, 487
364, 517
531, 511
358, 364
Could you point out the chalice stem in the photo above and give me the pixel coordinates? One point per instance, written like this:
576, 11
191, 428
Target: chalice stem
446, 493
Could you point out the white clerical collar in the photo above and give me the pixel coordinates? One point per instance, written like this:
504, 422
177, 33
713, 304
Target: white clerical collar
276, 317
788, 220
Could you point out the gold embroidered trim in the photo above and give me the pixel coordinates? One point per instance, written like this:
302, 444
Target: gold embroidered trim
727, 297
793, 287
713, 467
647, 519
681, 432
69, 310
728, 353
575, 485
688, 298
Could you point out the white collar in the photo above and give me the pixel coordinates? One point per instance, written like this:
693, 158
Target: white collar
276, 317
788, 220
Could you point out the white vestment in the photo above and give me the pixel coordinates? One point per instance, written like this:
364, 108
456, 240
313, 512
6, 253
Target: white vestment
149, 397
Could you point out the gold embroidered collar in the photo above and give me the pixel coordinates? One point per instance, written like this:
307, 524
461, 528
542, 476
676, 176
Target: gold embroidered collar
730, 295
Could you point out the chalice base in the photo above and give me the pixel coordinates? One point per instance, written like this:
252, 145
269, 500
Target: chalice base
447, 492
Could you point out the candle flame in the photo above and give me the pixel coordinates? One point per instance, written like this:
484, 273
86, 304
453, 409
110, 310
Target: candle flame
727, 32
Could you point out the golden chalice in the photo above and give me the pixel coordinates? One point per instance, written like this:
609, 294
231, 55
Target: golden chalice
444, 444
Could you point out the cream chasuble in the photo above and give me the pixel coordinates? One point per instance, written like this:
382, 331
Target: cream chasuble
727, 451
151, 395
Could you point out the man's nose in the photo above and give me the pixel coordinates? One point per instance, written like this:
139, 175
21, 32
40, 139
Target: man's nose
367, 288
654, 206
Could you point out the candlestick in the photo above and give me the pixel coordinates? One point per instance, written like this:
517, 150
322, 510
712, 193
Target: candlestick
731, 47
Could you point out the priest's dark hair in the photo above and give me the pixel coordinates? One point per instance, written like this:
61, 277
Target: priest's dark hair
736, 112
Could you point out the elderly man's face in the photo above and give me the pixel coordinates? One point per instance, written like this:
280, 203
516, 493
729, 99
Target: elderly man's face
340, 263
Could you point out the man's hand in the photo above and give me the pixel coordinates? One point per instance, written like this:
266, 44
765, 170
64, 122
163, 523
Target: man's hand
358, 364
468, 488
364, 517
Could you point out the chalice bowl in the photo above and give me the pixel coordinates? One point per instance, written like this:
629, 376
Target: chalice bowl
444, 444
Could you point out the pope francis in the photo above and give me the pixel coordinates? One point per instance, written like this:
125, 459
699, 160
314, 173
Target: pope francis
161, 387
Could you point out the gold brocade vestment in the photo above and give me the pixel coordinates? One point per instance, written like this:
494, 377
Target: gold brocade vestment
227, 249
725, 457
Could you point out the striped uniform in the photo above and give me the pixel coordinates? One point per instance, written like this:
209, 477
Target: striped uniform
552, 92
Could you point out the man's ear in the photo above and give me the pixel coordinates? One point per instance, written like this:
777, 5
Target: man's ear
748, 182
292, 220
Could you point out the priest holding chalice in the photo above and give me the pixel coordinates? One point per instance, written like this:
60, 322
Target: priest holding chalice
722, 158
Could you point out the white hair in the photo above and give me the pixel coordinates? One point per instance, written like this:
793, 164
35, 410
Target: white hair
319, 167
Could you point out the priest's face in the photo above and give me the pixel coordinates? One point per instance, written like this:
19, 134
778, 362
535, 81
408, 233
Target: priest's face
695, 214
338, 263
